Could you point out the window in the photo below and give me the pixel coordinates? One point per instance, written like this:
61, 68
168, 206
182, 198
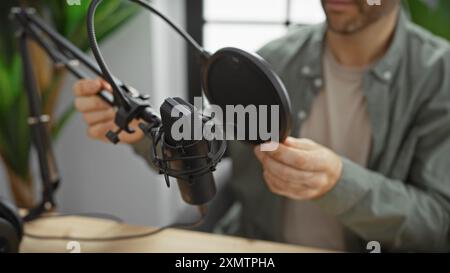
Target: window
249, 24
246, 24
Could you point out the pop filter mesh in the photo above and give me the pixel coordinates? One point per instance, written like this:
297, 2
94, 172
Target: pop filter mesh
235, 77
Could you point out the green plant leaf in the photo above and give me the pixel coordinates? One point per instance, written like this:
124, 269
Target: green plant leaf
110, 16
16, 137
5, 86
120, 16
7, 38
10, 81
435, 19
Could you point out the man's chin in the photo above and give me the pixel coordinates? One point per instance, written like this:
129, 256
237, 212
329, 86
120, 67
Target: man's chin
345, 29
340, 31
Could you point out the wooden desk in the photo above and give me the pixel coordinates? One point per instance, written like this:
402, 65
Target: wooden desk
170, 240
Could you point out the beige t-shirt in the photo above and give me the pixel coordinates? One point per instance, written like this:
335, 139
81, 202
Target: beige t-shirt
338, 120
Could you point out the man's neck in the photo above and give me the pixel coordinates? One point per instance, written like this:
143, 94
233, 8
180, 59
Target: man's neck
366, 46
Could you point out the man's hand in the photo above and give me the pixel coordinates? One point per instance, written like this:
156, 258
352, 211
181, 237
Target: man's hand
300, 169
98, 115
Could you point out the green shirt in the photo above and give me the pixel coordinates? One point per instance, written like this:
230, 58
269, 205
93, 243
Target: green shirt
402, 198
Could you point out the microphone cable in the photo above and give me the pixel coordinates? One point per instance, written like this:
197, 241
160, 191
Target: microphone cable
202, 210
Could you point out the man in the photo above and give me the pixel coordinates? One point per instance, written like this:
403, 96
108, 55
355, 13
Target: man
369, 155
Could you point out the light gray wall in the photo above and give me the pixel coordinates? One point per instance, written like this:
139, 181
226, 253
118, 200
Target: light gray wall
101, 177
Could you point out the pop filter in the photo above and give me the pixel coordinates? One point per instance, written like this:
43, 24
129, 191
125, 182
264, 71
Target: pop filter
235, 77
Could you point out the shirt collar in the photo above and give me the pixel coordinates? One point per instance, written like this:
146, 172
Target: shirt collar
384, 68
312, 63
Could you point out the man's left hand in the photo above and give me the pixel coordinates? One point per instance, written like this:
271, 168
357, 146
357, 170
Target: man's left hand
300, 169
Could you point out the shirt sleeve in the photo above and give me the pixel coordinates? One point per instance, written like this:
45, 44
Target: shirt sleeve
403, 215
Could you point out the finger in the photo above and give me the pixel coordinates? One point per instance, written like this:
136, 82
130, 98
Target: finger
87, 87
297, 158
285, 185
92, 118
297, 192
90, 104
308, 194
300, 143
106, 85
98, 131
273, 184
292, 175
258, 153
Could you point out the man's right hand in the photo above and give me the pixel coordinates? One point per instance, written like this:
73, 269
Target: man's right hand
99, 115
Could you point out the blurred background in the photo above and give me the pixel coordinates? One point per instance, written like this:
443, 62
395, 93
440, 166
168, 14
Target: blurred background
142, 51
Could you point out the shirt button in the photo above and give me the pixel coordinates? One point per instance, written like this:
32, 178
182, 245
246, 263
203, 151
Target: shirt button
306, 70
318, 82
301, 115
387, 75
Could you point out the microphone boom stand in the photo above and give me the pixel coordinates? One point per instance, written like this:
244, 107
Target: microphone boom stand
63, 53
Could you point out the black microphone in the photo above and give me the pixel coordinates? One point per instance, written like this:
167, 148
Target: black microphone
191, 160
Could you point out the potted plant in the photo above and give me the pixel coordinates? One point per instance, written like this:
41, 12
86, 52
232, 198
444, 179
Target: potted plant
69, 20
433, 15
